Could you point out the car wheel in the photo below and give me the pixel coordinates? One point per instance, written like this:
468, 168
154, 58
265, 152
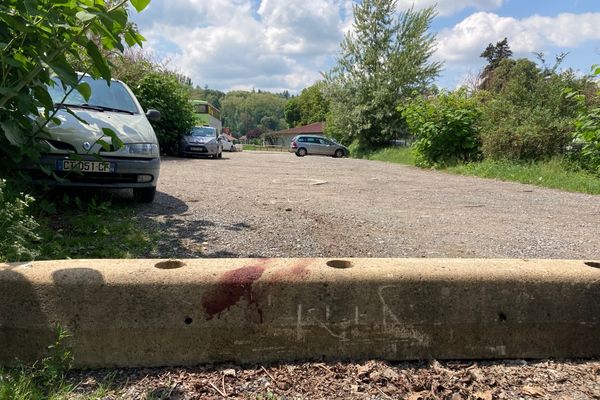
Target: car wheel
339, 153
232, 149
144, 195
301, 152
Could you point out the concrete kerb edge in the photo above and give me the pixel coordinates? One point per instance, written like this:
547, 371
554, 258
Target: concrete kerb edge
187, 312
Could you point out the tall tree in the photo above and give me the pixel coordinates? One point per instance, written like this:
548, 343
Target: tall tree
494, 54
384, 59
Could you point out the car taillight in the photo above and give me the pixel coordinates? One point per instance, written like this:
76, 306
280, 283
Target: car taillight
294, 145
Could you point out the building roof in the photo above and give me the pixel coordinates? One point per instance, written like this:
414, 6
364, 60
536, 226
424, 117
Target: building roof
316, 129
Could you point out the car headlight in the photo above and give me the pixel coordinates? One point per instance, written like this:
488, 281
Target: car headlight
140, 149
212, 141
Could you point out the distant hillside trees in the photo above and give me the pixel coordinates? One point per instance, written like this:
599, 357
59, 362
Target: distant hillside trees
244, 111
309, 107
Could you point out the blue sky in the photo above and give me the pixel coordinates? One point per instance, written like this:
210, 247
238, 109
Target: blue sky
285, 44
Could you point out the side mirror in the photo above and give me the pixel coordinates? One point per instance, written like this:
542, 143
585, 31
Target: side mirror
153, 115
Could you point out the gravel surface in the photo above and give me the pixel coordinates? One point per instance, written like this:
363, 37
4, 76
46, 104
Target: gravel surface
254, 204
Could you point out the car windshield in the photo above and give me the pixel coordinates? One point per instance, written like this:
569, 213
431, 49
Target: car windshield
114, 96
203, 131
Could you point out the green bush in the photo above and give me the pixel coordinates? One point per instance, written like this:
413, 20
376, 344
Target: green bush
516, 132
586, 137
18, 230
525, 115
445, 127
163, 92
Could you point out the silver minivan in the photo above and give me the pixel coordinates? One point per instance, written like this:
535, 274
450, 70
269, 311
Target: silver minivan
78, 151
303, 145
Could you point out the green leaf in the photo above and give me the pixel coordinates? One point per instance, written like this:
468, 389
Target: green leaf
116, 140
42, 95
129, 39
105, 145
85, 16
85, 89
99, 62
139, 5
12, 132
64, 70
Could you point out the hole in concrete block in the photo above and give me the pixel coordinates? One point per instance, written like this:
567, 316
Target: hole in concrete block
340, 264
170, 264
188, 321
593, 264
501, 316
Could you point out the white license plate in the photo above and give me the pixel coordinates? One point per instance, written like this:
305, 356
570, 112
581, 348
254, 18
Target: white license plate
86, 166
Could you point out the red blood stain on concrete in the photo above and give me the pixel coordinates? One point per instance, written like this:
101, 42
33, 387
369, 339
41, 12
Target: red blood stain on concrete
232, 286
296, 272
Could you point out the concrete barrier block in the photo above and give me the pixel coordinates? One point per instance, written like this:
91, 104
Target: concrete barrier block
161, 313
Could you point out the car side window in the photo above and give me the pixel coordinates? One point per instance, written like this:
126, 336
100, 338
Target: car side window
302, 140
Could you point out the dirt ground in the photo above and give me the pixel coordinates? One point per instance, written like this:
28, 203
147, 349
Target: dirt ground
516, 379
254, 204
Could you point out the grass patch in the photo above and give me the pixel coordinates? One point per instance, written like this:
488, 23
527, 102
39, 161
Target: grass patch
554, 173
46, 379
397, 155
94, 229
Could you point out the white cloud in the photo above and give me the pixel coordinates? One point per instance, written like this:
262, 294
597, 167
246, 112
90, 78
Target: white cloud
229, 44
464, 42
449, 7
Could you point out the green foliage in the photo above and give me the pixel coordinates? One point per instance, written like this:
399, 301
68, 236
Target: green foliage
163, 92
93, 228
244, 112
494, 54
445, 127
384, 59
211, 95
309, 107
42, 38
525, 115
43, 380
18, 229
555, 173
396, 155
587, 134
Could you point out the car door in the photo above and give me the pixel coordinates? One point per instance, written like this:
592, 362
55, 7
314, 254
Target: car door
311, 145
326, 148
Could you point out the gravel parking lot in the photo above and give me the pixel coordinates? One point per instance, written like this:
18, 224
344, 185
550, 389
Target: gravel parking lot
254, 204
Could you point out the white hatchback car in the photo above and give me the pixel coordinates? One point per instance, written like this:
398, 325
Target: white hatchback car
227, 145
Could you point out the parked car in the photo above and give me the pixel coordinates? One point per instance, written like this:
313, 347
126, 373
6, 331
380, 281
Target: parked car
78, 151
227, 145
201, 141
303, 145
